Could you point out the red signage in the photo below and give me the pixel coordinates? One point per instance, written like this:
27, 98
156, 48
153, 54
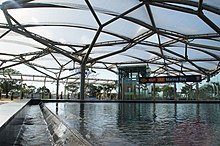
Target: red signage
165, 79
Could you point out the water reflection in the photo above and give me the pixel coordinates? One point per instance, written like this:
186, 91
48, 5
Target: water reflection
57, 108
143, 123
34, 130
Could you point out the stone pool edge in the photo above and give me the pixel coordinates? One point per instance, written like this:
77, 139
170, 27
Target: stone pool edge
9, 110
12, 116
61, 133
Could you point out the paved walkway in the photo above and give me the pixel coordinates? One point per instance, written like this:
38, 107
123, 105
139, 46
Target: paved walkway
9, 110
3, 102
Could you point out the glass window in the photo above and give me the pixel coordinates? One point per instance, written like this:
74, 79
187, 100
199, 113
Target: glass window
213, 3
179, 22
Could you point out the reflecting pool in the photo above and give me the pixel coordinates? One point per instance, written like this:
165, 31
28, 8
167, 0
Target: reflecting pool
131, 124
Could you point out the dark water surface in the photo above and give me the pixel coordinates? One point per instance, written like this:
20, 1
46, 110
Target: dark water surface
147, 124
34, 131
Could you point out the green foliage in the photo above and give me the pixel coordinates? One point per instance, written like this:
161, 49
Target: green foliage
30, 90
71, 87
187, 90
44, 92
158, 89
92, 89
9, 71
109, 87
168, 91
206, 91
9, 85
43, 89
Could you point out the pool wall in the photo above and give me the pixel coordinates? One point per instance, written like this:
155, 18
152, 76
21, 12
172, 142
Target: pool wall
12, 116
11, 119
61, 133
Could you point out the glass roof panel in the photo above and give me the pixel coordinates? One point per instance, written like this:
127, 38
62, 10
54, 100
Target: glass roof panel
153, 38
213, 3
72, 26
209, 42
215, 50
20, 40
109, 38
80, 2
138, 53
146, 48
208, 65
119, 59
195, 54
126, 28
6, 64
2, 18
15, 48
164, 39
103, 17
179, 22
177, 67
213, 17
73, 35
140, 14
191, 7
26, 70
55, 63
4, 57
48, 72
107, 49
114, 5
191, 53
70, 49
194, 0
178, 50
55, 16
99, 65
188, 65
41, 61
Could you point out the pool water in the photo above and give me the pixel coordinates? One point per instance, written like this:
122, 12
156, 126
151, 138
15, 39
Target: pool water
34, 130
132, 124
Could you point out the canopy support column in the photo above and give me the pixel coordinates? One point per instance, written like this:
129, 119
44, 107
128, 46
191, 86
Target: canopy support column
154, 92
21, 89
84, 62
58, 82
82, 81
197, 91
175, 95
57, 92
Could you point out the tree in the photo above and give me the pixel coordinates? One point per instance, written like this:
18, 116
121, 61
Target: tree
72, 87
9, 85
187, 90
92, 89
98, 90
109, 87
30, 90
157, 90
168, 91
206, 91
43, 91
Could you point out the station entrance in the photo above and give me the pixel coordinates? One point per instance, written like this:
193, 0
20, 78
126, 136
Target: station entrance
129, 87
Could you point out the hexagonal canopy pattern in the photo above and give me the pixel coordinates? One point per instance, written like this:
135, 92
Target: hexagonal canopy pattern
58, 38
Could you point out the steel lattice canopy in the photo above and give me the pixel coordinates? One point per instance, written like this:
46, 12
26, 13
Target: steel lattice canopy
55, 37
